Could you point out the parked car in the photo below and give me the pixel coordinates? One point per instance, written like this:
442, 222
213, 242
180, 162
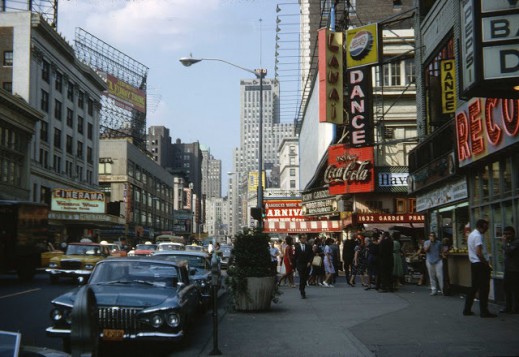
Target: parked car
147, 249
170, 246
199, 267
194, 247
79, 260
137, 299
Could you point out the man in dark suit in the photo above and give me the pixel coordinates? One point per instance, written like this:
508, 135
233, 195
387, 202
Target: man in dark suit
303, 256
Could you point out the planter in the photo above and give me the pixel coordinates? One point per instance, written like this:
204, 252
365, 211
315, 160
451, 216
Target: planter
260, 291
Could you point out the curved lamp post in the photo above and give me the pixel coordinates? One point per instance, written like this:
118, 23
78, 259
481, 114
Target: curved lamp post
260, 74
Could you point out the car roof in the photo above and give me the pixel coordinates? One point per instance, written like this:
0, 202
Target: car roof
182, 252
137, 258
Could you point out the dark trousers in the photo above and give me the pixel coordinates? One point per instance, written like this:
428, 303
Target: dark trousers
511, 287
303, 277
480, 283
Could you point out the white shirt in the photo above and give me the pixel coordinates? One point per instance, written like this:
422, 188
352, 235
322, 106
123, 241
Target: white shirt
475, 239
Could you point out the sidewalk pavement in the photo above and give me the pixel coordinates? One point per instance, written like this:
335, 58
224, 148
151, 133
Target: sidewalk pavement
350, 321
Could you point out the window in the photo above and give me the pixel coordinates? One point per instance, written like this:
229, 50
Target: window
58, 83
409, 71
57, 109
45, 71
44, 131
90, 132
292, 183
81, 100
90, 109
70, 117
44, 158
57, 164
80, 123
70, 91
44, 105
90, 156
292, 172
8, 86
8, 58
57, 138
392, 74
68, 167
68, 144
105, 168
79, 152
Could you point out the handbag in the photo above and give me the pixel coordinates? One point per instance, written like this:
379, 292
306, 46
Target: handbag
317, 261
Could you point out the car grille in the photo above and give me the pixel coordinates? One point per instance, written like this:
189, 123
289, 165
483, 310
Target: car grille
70, 264
118, 318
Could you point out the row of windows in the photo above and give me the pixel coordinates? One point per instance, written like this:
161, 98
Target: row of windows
44, 131
71, 170
44, 104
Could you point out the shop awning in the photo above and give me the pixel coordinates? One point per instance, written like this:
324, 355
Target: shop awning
302, 227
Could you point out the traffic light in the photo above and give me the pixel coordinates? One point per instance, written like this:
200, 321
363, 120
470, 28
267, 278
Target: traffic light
256, 213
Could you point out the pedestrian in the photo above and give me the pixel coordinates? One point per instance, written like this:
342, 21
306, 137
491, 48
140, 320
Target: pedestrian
446, 248
329, 268
303, 258
274, 254
385, 254
317, 268
372, 262
511, 278
398, 266
336, 259
433, 260
480, 270
359, 261
348, 251
288, 262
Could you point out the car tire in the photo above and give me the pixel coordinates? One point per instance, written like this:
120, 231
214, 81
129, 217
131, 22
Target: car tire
84, 335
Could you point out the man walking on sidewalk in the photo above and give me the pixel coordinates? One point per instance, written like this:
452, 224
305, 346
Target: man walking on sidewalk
303, 257
480, 270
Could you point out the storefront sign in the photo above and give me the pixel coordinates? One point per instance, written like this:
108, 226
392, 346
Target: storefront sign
390, 218
318, 202
489, 48
448, 85
69, 200
360, 107
350, 170
392, 179
330, 77
449, 193
362, 46
485, 126
283, 210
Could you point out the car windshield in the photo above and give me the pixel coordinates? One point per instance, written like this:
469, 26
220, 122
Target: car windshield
135, 272
168, 246
78, 249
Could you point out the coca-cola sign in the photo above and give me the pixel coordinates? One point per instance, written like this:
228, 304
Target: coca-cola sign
350, 170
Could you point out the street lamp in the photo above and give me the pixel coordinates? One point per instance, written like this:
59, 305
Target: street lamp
260, 74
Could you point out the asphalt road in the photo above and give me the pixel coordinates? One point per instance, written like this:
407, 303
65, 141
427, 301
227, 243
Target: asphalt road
25, 307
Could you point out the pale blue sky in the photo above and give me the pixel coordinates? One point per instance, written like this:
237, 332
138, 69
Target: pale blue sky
200, 102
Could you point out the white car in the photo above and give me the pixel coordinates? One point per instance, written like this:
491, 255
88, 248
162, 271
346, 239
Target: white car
170, 246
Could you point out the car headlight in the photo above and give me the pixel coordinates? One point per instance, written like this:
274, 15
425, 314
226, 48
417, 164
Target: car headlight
89, 266
53, 265
202, 283
60, 315
172, 319
156, 321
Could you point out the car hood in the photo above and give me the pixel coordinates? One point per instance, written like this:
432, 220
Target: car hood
121, 295
83, 258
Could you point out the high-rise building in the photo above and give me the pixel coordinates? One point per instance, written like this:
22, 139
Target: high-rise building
211, 175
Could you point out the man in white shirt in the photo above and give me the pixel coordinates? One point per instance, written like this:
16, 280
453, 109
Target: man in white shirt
480, 270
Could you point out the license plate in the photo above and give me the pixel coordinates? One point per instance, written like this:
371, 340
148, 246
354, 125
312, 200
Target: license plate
113, 335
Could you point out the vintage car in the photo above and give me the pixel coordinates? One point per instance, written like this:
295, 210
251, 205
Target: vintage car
199, 267
195, 248
145, 249
225, 255
79, 260
136, 298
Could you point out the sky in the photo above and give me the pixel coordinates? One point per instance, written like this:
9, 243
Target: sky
198, 103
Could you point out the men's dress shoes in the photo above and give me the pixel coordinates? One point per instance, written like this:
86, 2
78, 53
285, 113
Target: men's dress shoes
468, 313
487, 315
303, 296
505, 311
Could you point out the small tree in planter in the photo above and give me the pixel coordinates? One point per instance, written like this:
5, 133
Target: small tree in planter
250, 276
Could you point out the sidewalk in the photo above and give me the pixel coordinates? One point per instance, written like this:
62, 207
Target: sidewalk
346, 321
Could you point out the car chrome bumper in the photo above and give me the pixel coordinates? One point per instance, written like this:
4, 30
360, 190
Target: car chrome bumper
71, 273
57, 332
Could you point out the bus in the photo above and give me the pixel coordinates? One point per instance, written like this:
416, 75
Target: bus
23, 236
